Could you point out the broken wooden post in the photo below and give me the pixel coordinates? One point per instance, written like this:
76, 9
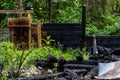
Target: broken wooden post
95, 51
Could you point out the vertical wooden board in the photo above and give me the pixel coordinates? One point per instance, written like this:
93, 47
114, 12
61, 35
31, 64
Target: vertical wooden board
39, 34
29, 40
36, 34
30, 18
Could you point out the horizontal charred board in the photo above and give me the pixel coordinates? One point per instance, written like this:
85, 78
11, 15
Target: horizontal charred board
65, 33
79, 70
68, 34
61, 26
79, 66
87, 62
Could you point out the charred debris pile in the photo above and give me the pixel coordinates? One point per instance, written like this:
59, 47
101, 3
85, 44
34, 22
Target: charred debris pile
74, 69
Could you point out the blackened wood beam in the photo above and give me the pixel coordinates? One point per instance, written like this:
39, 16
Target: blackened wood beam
79, 66
83, 25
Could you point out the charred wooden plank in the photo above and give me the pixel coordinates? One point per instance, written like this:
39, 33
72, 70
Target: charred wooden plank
86, 62
79, 66
78, 70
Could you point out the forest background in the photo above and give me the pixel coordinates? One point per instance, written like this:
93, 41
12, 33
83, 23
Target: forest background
102, 16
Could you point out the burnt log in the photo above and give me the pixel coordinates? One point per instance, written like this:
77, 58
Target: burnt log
91, 74
44, 64
51, 59
79, 58
90, 62
48, 63
72, 74
61, 63
79, 66
79, 71
116, 51
103, 50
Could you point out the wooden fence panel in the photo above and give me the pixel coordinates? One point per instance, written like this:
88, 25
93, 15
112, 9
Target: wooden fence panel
68, 34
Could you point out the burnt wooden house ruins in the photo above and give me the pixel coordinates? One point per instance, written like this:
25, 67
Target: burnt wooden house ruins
69, 35
23, 33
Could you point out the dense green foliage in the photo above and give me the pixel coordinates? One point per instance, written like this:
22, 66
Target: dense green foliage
102, 15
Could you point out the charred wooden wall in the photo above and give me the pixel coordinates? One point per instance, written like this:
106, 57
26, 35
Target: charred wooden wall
68, 34
106, 41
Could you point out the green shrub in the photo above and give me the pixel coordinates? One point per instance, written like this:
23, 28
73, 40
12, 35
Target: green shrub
14, 60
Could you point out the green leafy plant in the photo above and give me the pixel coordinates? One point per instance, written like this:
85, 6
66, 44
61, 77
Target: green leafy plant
14, 60
85, 54
48, 41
